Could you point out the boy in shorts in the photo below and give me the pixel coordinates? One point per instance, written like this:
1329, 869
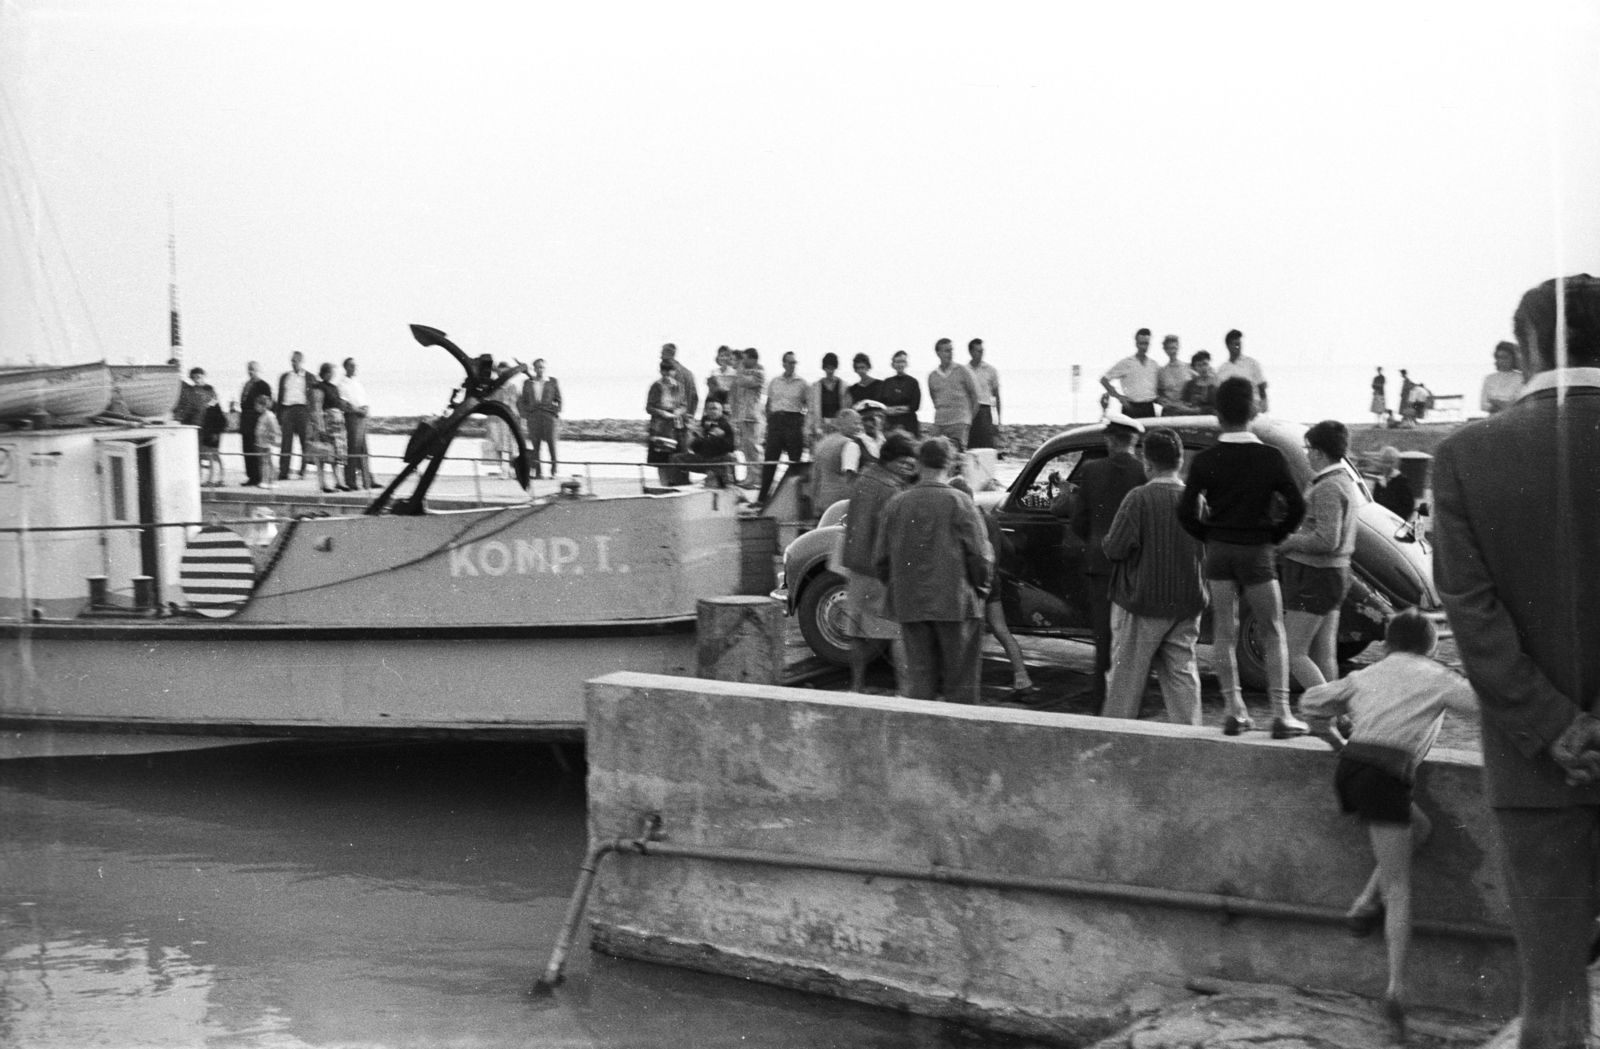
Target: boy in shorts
1396, 708
1237, 479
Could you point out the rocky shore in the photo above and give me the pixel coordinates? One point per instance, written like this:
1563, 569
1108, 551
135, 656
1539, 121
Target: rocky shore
1015, 440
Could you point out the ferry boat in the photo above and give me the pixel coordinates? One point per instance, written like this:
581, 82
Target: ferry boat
122, 610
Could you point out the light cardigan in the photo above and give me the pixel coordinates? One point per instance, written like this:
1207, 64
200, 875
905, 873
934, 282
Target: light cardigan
1327, 536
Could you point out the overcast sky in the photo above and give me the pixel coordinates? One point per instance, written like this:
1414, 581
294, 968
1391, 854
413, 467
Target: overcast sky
1351, 185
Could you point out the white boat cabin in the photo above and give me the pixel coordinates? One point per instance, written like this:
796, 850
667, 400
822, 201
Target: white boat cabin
84, 501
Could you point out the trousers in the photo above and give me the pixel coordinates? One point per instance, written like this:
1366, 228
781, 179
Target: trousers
1100, 622
247, 439
293, 419
1137, 643
1551, 858
943, 656
542, 434
786, 435
357, 467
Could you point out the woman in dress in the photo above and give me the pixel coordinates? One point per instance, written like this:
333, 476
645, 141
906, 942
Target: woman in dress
1380, 402
665, 405
499, 443
325, 446
1501, 386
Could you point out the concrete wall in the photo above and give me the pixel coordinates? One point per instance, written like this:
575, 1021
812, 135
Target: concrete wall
1009, 791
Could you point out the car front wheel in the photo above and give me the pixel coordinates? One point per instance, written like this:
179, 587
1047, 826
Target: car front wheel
822, 617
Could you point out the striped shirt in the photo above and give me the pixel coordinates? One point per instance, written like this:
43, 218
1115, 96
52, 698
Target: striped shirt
1156, 569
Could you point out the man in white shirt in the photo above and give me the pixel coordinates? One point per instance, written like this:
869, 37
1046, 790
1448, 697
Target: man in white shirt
1238, 364
986, 422
293, 406
1138, 375
357, 466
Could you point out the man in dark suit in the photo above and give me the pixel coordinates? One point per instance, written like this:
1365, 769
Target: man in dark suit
254, 386
1518, 565
1101, 487
540, 405
933, 552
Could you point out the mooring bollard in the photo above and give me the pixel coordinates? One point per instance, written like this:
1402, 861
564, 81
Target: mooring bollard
740, 638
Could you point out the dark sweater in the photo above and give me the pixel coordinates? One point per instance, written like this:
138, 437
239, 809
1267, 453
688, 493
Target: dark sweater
1238, 481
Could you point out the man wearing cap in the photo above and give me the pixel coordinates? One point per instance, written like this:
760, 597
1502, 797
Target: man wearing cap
1139, 376
871, 437
1102, 484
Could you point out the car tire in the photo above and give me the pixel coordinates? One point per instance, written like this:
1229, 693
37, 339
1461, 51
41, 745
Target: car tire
821, 613
1252, 657
1250, 653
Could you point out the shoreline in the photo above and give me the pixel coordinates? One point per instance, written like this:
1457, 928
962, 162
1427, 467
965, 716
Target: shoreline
1016, 439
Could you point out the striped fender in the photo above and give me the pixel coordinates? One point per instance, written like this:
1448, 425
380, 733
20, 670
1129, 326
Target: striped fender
218, 572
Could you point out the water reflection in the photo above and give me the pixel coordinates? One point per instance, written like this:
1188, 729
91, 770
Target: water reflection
295, 895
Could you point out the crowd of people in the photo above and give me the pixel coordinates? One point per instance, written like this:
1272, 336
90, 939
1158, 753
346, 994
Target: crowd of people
778, 419
326, 414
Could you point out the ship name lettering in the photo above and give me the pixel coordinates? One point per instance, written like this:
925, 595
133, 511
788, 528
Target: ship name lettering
558, 555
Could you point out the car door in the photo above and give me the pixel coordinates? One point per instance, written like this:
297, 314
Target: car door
1040, 565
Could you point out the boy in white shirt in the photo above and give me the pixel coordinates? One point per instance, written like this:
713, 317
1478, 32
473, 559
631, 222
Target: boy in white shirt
1396, 707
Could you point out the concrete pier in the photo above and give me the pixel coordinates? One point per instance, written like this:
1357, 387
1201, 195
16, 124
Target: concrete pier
1105, 805
740, 639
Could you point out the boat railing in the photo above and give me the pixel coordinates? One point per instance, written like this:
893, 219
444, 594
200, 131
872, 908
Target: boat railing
483, 468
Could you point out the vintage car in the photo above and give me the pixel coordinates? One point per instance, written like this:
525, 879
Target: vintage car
1043, 590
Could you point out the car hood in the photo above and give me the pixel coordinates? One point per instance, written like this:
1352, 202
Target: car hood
1402, 571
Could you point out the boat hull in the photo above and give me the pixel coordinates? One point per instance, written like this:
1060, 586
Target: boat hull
502, 683
77, 391
146, 390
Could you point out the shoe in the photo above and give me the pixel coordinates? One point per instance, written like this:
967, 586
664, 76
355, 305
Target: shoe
342, 488
1395, 1014
1289, 727
1232, 726
330, 491
1364, 923
1023, 691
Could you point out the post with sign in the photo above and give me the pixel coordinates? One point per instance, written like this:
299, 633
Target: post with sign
1077, 382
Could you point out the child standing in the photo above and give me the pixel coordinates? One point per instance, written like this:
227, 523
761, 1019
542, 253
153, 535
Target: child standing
213, 424
268, 434
1396, 708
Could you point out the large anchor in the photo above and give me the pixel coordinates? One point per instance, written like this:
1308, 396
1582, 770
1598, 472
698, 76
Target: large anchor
431, 439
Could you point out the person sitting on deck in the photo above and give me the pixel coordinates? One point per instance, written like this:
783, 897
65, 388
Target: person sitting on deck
711, 449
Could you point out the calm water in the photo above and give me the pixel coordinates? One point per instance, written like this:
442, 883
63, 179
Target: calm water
294, 895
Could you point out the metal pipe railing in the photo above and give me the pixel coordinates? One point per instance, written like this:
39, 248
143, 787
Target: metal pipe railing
649, 844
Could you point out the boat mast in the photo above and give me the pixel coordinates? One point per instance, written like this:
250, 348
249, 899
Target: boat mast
176, 347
